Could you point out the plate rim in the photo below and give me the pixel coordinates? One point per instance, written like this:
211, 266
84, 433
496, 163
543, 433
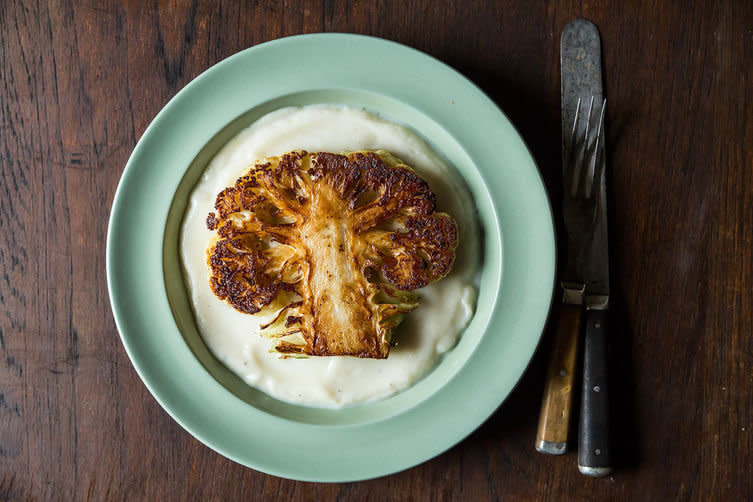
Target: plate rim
117, 210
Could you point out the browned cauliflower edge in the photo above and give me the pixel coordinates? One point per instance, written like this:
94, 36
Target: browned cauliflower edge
330, 245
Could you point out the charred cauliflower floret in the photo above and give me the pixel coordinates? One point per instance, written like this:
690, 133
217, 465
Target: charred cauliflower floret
331, 246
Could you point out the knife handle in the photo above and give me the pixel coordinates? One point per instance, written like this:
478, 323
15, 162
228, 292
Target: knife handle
593, 445
554, 420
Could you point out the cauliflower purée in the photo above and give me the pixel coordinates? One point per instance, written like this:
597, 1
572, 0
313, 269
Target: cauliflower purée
428, 332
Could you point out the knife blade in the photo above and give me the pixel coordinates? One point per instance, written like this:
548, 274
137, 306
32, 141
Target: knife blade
588, 262
586, 276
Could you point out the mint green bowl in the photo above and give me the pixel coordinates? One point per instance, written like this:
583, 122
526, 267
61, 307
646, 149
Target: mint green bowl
152, 309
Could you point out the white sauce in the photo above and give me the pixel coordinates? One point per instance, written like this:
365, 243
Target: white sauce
426, 333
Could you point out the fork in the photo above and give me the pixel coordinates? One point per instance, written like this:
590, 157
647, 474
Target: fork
588, 213
586, 150
581, 178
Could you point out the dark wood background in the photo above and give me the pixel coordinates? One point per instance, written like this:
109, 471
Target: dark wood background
80, 82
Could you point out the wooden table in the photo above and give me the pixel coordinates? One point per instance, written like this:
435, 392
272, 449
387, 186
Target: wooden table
81, 82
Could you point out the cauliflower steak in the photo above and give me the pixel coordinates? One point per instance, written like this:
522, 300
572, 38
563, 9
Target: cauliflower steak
329, 246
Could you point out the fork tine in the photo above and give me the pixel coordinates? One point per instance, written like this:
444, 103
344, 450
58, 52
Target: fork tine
592, 177
582, 152
578, 148
574, 129
586, 159
571, 144
588, 121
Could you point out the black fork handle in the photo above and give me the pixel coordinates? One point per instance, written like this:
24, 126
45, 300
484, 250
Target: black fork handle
593, 448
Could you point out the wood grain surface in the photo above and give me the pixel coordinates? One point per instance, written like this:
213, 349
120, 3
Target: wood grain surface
560, 380
79, 83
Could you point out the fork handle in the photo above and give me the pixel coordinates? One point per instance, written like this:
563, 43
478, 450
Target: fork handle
554, 420
593, 445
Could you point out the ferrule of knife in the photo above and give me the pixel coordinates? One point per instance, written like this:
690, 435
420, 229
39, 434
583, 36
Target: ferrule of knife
573, 293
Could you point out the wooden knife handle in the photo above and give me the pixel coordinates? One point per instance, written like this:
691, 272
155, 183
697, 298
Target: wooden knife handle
593, 443
558, 390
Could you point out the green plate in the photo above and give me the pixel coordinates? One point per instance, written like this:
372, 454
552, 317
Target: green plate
154, 317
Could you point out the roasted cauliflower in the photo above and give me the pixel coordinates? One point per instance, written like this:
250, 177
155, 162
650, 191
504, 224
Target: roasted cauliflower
329, 246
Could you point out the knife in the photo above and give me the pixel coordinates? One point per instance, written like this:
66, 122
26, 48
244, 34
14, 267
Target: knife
586, 276
554, 421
